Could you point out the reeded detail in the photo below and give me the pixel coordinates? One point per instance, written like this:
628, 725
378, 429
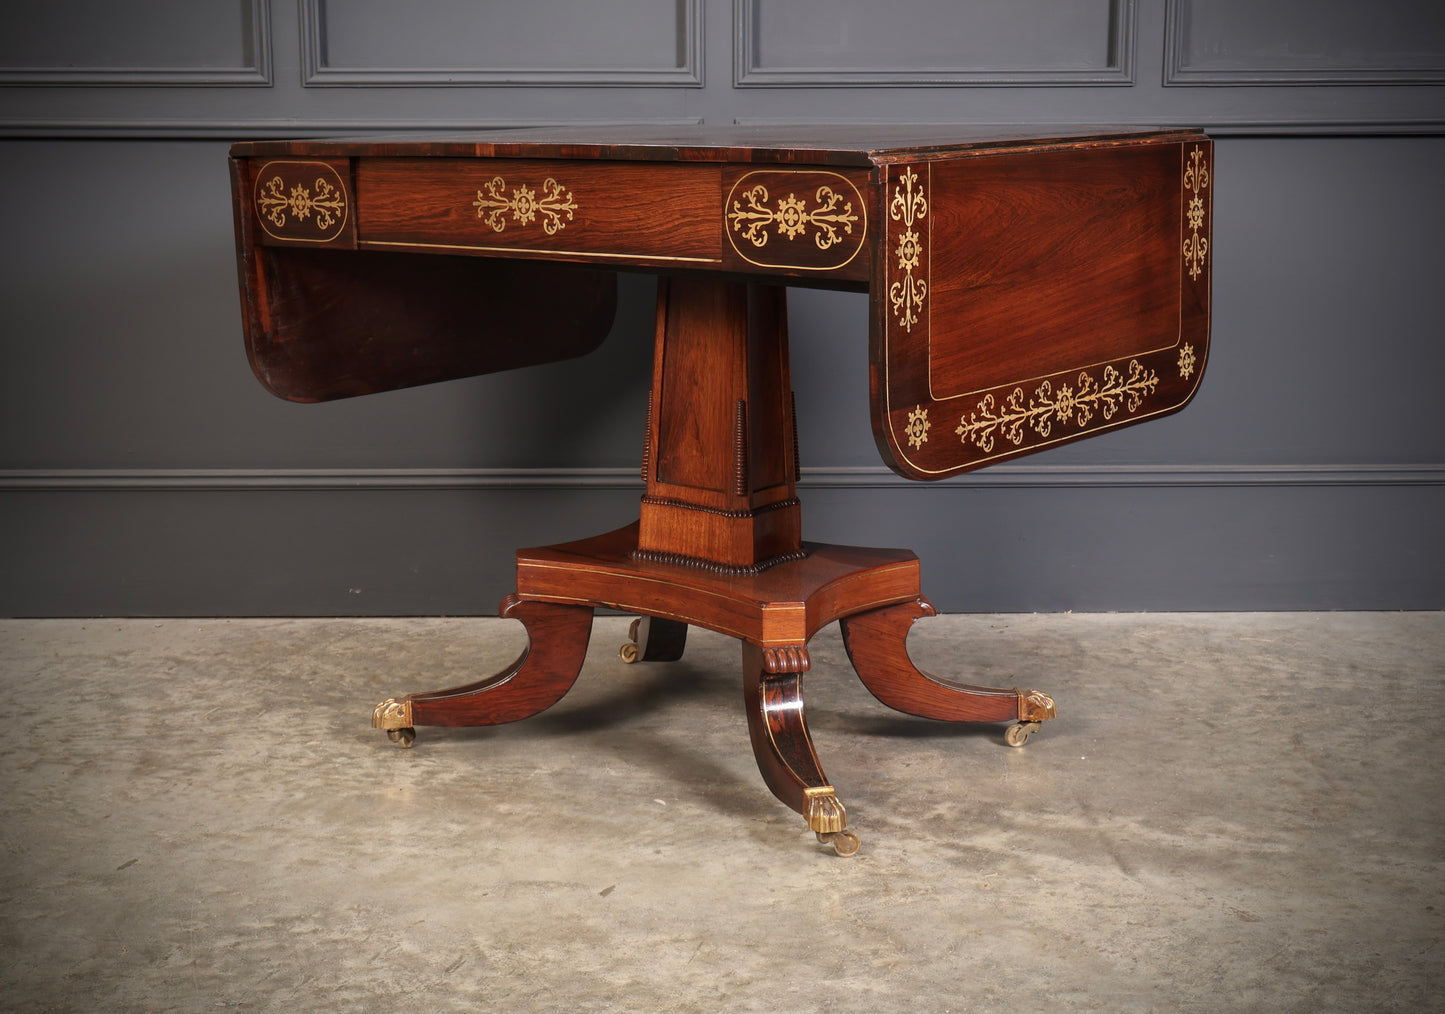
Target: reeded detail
647, 438
789, 658
712, 566
740, 449
722, 512
555, 206
1102, 398
909, 207
1196, 180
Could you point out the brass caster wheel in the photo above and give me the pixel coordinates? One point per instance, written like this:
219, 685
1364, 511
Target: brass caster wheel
844, 842
1018, 735
403, 738
628, 652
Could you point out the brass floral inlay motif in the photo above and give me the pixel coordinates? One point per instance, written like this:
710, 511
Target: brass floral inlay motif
1196, 180
1187, 361
917, 428
793, 217
909, 206
1048, 407
525, 205
274, 202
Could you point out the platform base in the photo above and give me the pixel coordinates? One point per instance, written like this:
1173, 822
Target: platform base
873, 592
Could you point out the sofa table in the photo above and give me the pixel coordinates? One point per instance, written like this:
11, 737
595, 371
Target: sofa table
1026, 288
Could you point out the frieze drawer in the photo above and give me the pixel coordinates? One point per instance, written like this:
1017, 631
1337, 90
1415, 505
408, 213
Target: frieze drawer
590, 211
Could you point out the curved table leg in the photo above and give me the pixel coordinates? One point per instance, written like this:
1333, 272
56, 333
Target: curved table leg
876, 645
654, 639
541, 675
781, 743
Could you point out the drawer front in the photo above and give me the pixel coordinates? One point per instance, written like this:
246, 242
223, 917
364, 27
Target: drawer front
803, 222
302, 201
646, 214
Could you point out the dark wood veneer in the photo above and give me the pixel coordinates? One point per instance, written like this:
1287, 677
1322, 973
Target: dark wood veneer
1024, 291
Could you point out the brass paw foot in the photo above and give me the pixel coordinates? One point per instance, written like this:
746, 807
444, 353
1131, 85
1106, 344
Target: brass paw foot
828, 819
1035, 708
395, 717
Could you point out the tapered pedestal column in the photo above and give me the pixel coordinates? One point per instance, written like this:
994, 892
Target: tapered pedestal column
721, 461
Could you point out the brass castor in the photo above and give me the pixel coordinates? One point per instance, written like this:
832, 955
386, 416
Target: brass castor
403, 738
1018, 735
653, 639
844, 842
628, 652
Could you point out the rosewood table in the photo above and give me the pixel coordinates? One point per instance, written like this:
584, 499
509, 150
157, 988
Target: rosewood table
1025, 289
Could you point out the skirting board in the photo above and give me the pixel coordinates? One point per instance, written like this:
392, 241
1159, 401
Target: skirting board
432, 542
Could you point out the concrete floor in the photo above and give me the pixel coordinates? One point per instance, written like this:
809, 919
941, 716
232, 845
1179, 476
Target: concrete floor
1232, 813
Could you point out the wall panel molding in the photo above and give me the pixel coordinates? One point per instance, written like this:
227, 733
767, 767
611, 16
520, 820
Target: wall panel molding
253, 70
1214, 42
235, 130
319, 69
1013, 476
1114, 34
335, 550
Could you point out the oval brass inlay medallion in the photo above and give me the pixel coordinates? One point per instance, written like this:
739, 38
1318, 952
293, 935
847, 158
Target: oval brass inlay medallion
808, 220
301, 201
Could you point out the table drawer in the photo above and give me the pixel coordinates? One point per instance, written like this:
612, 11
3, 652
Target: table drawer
608, 212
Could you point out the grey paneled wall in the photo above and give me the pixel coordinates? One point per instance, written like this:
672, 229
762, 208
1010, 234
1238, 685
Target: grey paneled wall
143, 470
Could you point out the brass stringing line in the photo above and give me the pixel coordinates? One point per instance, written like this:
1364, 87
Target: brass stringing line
274, 202
1047, 407
907, 295
1196, 179
793, 216
524, 204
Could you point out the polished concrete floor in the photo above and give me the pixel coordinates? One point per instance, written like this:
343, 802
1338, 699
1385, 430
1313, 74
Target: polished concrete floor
1232, 813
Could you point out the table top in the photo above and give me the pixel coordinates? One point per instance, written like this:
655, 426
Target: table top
1027, 286
825, 144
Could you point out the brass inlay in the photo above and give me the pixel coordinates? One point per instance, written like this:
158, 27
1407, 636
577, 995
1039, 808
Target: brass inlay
823, 205
329, 203
556, 201
793, 216
917, 429
1196, 180
1047, 407
550, 251
909, 206
1187, 361
311, 210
